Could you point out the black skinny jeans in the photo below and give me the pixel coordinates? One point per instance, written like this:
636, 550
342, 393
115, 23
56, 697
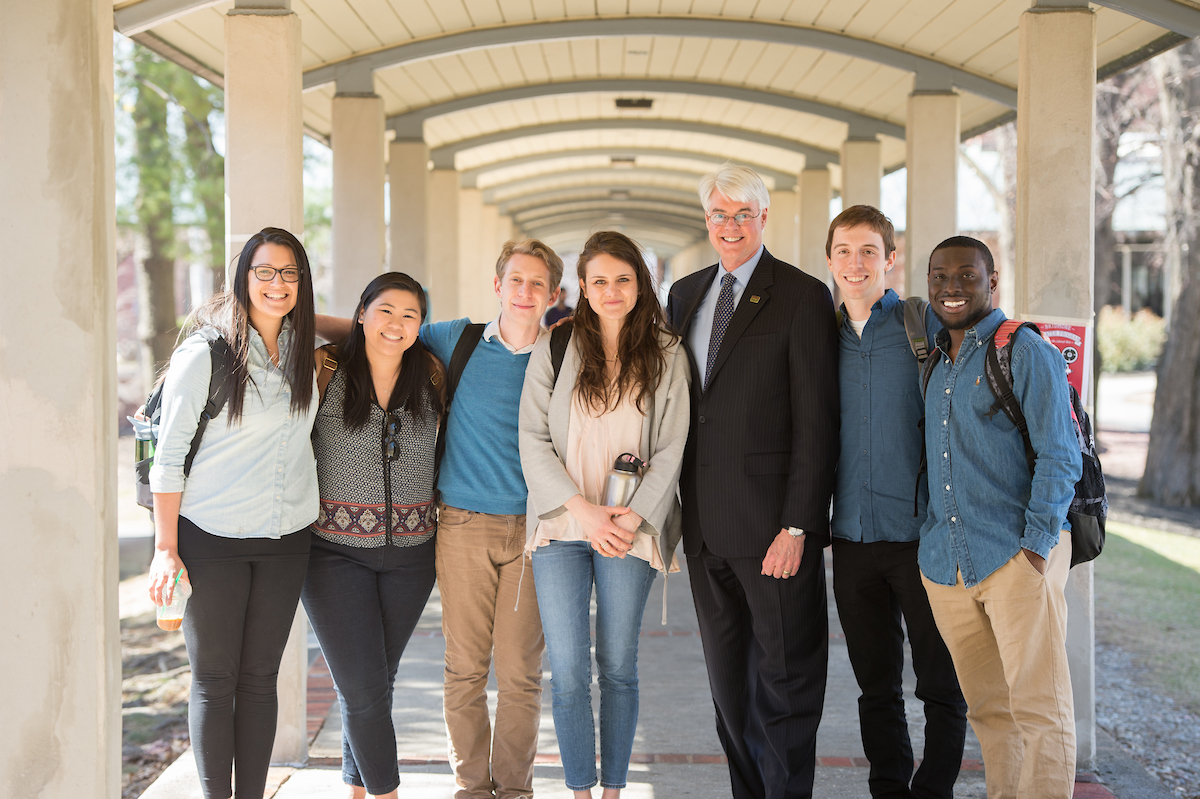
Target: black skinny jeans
244, 597
875, 584
364, 605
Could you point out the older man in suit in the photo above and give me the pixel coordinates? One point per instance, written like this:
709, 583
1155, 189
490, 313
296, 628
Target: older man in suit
756, 484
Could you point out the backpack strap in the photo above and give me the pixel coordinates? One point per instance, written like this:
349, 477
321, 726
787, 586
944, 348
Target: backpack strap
325, 368
468, 340
218, 393
998, 368
560, 337
914, 326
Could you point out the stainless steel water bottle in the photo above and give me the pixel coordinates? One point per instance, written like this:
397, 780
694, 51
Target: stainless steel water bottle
623, 479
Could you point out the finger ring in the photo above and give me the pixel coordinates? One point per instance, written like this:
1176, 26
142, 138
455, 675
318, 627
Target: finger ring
786, 573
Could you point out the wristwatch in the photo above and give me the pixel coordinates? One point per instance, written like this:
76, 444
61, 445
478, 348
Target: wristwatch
795, 532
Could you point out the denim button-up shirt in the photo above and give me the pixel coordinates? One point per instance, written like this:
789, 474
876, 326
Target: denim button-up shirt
983, 506
256, 479
881, 405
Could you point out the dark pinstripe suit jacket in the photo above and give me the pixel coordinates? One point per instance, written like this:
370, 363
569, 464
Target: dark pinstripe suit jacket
763, 442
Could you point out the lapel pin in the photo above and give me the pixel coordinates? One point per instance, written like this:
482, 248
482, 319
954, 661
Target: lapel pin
753, 298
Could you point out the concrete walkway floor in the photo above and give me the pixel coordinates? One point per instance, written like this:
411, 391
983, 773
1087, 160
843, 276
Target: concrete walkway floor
676, 752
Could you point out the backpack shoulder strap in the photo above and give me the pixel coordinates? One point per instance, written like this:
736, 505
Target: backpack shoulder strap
222, 359
914, 326
927, 368
326, 366
467, 342
998, 368
560, 337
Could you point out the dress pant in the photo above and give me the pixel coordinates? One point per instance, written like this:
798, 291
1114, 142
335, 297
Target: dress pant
875, 584
766, 647
1007, 635
489, 610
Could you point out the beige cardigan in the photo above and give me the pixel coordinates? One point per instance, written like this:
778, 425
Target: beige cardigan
544, 421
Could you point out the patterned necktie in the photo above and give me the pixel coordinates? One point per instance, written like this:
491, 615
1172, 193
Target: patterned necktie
721, 316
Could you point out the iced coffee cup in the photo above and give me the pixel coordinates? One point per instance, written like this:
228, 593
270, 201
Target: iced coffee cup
170, 615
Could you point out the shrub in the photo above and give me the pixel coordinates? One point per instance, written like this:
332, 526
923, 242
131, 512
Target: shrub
1129, 344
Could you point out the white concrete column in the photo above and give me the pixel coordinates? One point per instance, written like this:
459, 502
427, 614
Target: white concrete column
358, 176
441, 244
61, 735
782, 231
408, 178
815, 188
489, 250
932, 140
862, 169
470, 254
1056, 79
264, 186
264, 128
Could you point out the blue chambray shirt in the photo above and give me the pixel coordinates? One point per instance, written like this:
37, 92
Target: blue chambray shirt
256, 479
983, 506
881, 406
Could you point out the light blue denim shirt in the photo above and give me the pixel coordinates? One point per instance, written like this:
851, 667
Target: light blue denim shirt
983, 506
256, 479
877, 472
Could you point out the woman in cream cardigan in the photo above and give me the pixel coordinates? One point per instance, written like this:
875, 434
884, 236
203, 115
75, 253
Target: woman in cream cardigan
623, 387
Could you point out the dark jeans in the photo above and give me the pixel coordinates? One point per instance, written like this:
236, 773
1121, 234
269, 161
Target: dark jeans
244, 597
874, 585
364, 605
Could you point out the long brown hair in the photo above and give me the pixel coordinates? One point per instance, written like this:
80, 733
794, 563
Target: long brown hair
229, 313
640, 349
417, 368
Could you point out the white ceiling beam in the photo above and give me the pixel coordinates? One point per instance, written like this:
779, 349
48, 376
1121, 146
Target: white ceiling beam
1178, 17
142, 16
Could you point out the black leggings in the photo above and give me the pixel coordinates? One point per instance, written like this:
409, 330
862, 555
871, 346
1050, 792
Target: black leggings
244, 597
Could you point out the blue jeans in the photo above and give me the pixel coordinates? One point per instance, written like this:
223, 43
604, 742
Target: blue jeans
564, 572
364, 605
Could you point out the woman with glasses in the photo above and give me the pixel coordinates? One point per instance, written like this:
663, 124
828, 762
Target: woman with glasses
238, 514
622, 388
372, 564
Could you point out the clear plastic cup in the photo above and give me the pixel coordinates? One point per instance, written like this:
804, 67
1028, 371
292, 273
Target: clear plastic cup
170, 615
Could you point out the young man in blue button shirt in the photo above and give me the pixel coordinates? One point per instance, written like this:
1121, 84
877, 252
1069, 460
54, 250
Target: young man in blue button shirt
877, 520
996, 547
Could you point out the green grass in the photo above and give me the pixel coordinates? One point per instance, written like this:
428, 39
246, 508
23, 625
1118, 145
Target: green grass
1148, 603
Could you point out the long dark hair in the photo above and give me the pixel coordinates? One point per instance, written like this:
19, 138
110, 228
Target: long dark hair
229, 313
417, 368
640, 348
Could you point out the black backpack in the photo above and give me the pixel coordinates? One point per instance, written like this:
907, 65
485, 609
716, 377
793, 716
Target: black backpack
1089, 507
218, 393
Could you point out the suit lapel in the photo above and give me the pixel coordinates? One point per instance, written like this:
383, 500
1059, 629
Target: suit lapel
693, 302
753, 299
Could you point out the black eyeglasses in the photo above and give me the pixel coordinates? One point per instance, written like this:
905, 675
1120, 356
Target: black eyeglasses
266, 274
391, 437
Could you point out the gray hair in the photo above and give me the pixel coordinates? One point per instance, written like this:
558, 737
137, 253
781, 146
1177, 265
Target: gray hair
740, 183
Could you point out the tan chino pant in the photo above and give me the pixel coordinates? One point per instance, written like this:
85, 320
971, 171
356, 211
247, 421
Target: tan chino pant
1007, 638
479, 563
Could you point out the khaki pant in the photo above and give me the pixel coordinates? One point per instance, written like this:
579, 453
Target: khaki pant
480, 558
1007, 637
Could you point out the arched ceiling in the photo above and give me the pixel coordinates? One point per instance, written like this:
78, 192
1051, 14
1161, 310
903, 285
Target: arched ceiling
521, 94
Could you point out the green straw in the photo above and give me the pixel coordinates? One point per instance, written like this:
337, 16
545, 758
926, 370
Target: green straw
175, 584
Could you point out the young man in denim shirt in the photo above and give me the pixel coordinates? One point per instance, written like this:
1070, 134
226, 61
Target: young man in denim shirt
877, 520
996, 547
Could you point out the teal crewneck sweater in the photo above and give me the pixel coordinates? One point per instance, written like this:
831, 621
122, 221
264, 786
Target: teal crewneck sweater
481, 470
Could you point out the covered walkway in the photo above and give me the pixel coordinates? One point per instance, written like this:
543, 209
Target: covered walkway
483, 119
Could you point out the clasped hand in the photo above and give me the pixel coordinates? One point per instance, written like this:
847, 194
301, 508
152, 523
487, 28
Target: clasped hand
610, 530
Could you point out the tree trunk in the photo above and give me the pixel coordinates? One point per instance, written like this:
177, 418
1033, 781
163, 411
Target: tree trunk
156, 274
199, 100
1172, 475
